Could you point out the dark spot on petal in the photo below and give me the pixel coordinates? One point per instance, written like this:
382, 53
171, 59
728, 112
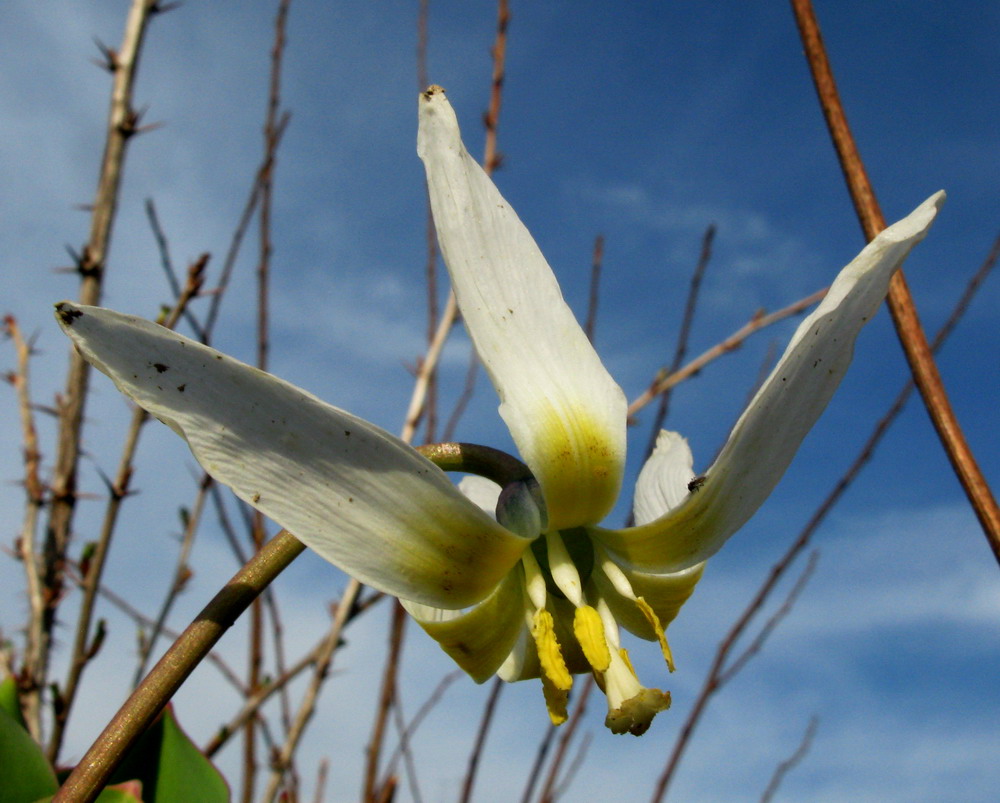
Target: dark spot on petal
180, 388
347, 433
67, 314
160, 367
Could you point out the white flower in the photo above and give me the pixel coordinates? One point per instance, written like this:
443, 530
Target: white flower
540, 590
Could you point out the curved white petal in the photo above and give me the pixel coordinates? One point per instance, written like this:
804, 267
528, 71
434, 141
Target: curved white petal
564, 411
481, 638
355, 494
767, 435
663, 481
482, 492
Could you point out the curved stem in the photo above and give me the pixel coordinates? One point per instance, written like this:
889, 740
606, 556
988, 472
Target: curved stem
149, 699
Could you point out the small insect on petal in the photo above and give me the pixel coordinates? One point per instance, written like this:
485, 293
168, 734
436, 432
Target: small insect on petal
696, 483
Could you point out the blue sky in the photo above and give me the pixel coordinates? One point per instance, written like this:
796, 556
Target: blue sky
643, 122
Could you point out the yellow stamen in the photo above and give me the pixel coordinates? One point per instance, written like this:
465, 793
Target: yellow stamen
549, 655
555, 701
628, 661
589, 632
654, 622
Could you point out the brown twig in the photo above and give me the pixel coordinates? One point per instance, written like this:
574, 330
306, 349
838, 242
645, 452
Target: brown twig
720, 673
283, 757
123, 124
791, 762
34, 492
664, 380
385, 701
274, 124
480, 743
683, 335
536, 767
904, 314
549, 793
595, 286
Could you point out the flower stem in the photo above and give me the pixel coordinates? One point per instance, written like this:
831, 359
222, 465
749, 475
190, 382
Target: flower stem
149, 699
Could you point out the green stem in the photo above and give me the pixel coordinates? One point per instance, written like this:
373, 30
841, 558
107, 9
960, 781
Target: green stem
150, 697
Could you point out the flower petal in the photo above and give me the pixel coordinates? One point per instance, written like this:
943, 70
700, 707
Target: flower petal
663, 481
355, 494
481, 638
767, 435
565, 412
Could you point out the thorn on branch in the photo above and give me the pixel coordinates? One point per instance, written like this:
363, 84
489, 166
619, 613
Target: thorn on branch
109, 57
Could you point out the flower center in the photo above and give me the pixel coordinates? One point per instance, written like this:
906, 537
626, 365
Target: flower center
581, 553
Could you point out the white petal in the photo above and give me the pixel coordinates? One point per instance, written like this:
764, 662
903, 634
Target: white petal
663, 481
481, 638
355, 494
767, 435
565, 412
483, 493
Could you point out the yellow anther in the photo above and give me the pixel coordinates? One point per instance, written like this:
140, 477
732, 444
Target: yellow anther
589, 632
654, 622
555, 701
549, 655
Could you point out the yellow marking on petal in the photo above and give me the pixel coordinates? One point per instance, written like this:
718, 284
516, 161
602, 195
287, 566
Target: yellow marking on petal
555, 701
654, 622
628, 661
579, 464
589, 631
549, 655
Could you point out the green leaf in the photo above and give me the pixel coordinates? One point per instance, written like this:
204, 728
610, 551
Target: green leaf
171, 767
25, 774
8, 700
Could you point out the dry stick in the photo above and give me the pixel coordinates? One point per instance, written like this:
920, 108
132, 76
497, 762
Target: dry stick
386, 699
163, 246
318, 792
904, 313
182, 574
664, 381
403, 749
283, 758
245, 219
718, 675
406, 734
539, 762
778, 570
430, 269
147, 701
547, 794
34, 491
574, 766
123, 123
118, 488
477, 748
684, 335
595, 285
790, 763
272, 128
462, 402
